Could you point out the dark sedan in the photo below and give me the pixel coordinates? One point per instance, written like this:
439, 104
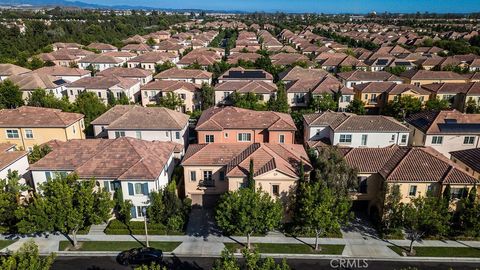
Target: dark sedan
140, 256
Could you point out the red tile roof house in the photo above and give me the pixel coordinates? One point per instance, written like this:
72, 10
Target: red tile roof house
203, 57
7, 70
100, 62
102, 47
213, 169
237, 125
351, 130
67, 74
146, 123
148, 60
351, 78
189, 93
12, 160
416, 170
195, 76
138, 167
102, 86
141, 75
445, 131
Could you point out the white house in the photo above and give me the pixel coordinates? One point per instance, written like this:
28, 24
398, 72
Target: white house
350, 130
12, 160
136, 166
146, 123
100, 62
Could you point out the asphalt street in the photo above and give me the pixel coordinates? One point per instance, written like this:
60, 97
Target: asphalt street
198, 263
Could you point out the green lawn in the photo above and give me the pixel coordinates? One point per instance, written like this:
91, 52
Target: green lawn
289, 248
440, 251
117, 245
6, 243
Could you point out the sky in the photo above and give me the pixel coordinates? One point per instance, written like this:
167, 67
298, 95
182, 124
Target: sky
319, 6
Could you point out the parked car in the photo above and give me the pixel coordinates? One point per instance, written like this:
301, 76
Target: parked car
139, 256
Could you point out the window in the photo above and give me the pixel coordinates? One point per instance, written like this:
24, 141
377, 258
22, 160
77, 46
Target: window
225, 135
458, 193
207, 175
244, 137
177, 135
364, 139
209, 138
99, 94
345, 138
282, 138
222, 176
140, 211
403, 140
167, 134
119, 95
276, 190
362, 184
366, 96
119, 134
412, 191
48, 176
469, 140
74, 130
138, 134
225, 95
29, 133
137, 189
12, 134
193, 176
30, 150
437, 139
393, 138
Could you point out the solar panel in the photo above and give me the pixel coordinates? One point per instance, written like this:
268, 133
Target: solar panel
253, 74
458, 127
402, 63
382, 62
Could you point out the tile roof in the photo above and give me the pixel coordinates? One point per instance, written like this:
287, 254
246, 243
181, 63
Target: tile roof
59, 71
431, 75
470, 157
101, 59
176, 73
125, 72
101, 46
101, 82
169, 86
137, 117
153, 57
27, 116
32, 80
454, 88
259, 87
216, 118
359, 75
239, 73
390, 88
123, 158
407, 164
11, 69
445, 122
236, 157
8, 157
299, 73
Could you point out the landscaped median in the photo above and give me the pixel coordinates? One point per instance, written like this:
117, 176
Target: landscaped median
6, 243
439, 251
115, 245
288, 248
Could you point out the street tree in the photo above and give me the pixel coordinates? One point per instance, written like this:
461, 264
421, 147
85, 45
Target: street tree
356, 106
88, 104
402, 107
252, 261
248, 100
469, 214
323, 102
208, 96
10, 190
246, 211
393, 209
42, 98
10, 95
279, 103
26, 258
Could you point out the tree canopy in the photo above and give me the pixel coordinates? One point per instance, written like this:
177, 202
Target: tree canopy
10, 95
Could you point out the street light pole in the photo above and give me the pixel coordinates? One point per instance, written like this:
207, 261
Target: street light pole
144, 210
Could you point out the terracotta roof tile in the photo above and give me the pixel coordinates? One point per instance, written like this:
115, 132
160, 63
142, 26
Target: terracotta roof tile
26, 116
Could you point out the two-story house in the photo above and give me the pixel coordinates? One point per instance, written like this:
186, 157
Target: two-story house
421, 77
28, 126
445, 131
237, 125
188, 92
352, 78
12, 160
145, 123
350, 130
137, 167
195, 76
212, 169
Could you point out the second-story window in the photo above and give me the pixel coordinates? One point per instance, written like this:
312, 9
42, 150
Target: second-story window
138, 134
177, 135
412, 191
276, 190
282, 138
12, 134
209, 138
29, 133
345, 138
404, 139
469, 140
119, 134
364, 139
193, 176
437, 140
207, 175
244, 137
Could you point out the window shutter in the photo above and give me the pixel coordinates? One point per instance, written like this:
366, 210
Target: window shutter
133, 212
130, 189
106, 185
145, 189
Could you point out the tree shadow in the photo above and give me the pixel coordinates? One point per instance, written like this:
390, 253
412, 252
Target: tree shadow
176, 263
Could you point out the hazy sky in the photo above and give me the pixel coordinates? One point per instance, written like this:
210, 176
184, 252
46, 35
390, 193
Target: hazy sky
326, 6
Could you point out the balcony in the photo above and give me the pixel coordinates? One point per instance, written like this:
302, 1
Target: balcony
204, 184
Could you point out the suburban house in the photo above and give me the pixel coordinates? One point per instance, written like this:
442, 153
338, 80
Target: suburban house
421, 77
264, 90
189, 93
213, 169
468, 159
203, 57
103, 86
149, 60
285, 59
196, 76
67, 74
137, 167
7, 70
376, 95
99, 62
351, 78
299, 73
239, 74
12, 160
415, 170
136, 48
31, 81
102, 47
141, 75
28, 126
237, 125
458, 95
350, 130
145, 123
445, 131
